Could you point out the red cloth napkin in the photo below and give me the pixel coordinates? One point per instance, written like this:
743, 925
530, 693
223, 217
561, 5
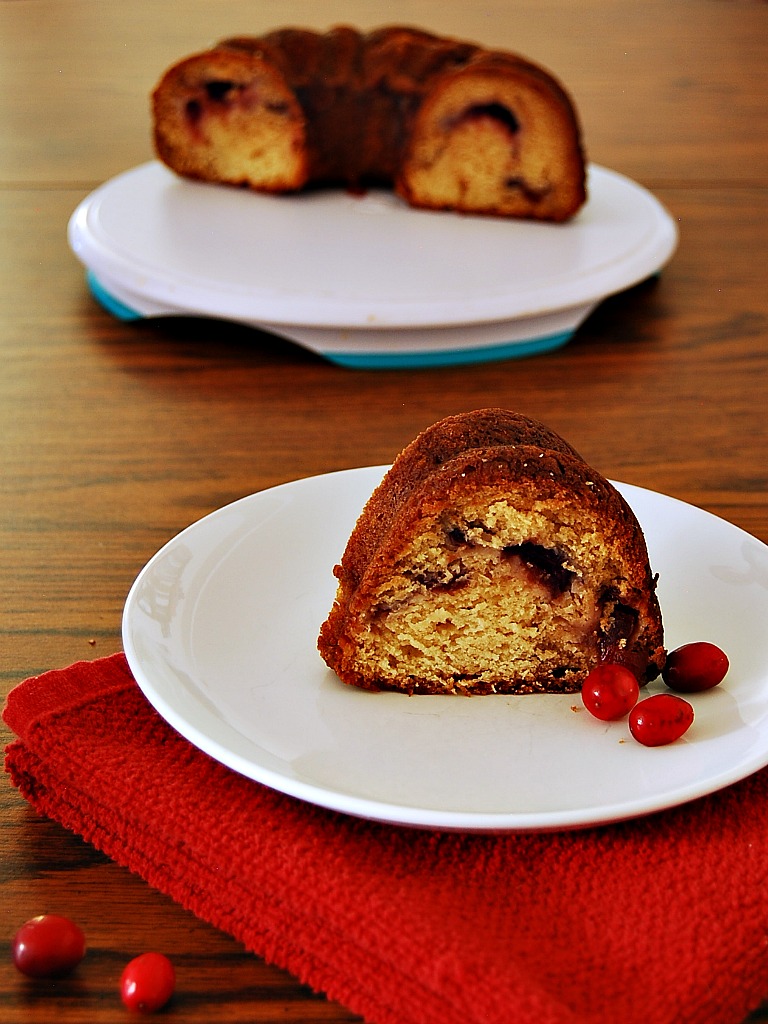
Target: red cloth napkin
663, 920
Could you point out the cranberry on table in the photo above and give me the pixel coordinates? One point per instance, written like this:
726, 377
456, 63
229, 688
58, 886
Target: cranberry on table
147, 983
48, 946
661, 719
695, 667
610, 691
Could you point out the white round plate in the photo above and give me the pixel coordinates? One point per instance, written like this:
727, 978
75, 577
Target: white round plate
365, 280
220, 630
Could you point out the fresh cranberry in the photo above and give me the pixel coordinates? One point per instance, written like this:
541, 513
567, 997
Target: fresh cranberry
48, 946
661, 719
610, 691
695, 667
147, 983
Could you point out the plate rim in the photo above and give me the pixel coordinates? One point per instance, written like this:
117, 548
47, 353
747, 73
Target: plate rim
155, 285
390, 812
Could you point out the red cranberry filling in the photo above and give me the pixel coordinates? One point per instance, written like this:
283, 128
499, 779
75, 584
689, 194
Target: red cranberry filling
219, 90
548, 564
495, 111
451, 578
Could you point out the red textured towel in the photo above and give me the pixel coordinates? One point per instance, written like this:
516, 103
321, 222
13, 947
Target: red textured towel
662, 920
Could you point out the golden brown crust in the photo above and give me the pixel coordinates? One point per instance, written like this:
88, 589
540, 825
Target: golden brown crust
343, 107
503, 496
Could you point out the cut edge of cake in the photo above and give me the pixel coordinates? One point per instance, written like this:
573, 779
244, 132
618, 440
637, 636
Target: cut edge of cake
504, 566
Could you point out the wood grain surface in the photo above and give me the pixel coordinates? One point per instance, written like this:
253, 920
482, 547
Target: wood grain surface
115, 436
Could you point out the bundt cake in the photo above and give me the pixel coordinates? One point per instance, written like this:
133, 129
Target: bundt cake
492, 559
446, 123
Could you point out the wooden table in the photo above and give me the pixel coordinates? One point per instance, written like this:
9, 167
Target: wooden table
115, 436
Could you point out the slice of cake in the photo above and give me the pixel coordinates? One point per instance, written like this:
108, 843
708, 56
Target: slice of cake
492, 559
